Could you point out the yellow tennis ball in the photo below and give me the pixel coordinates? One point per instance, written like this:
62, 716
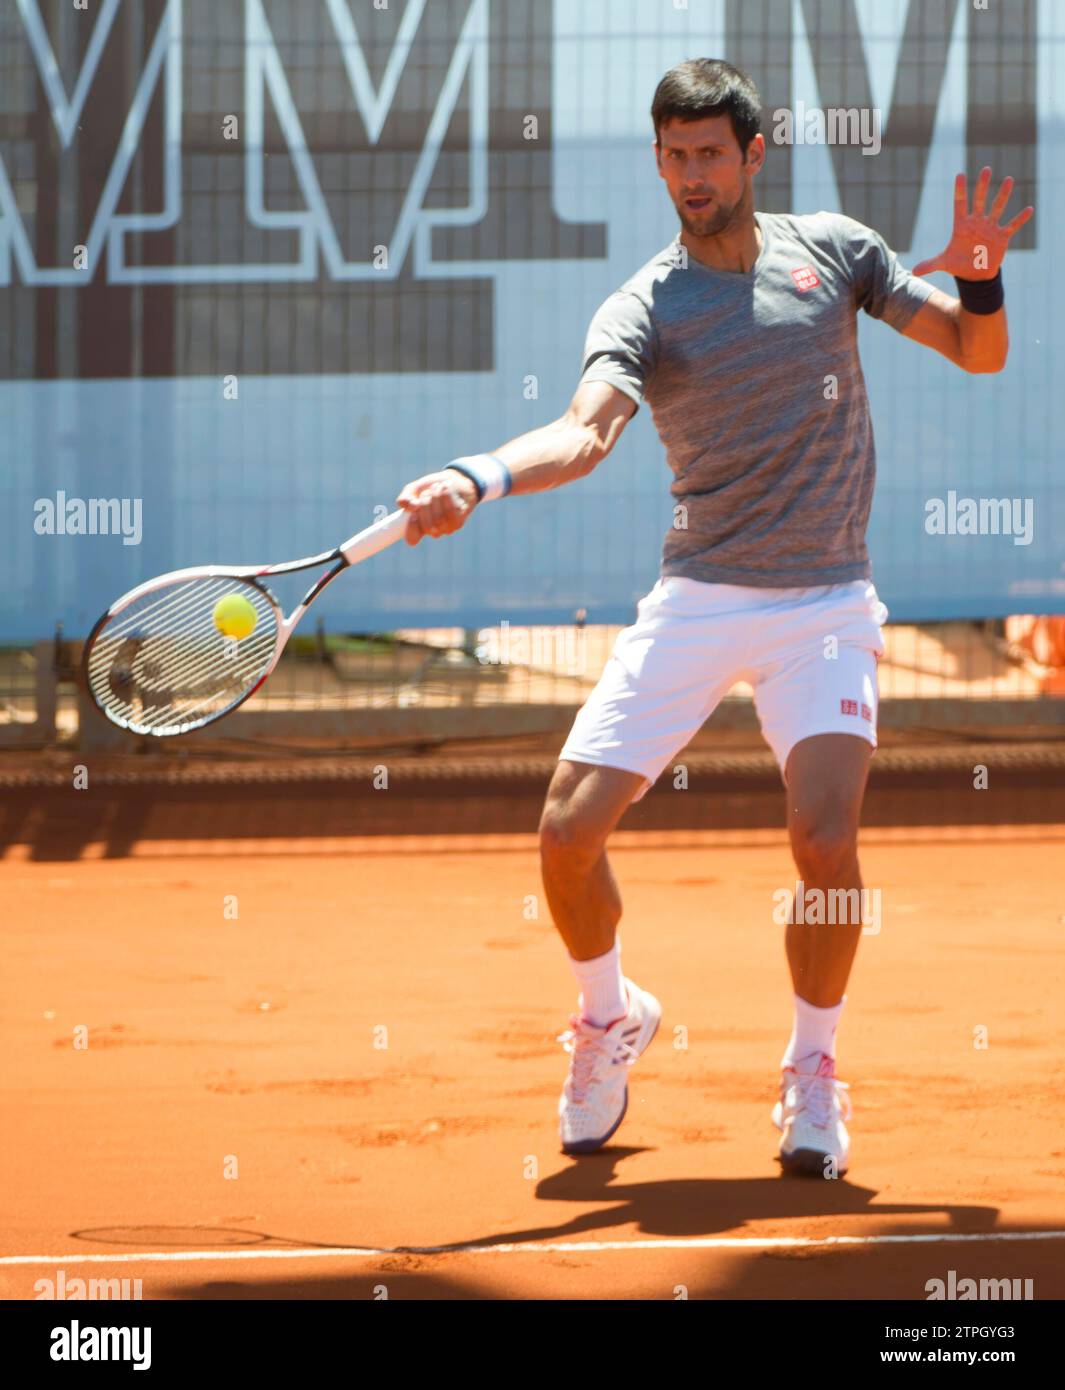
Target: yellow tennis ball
234, 616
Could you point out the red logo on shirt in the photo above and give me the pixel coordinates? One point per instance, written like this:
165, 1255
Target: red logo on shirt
805, 277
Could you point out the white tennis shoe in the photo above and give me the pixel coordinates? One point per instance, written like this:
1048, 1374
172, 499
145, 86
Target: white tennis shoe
596, 1094
810, 1114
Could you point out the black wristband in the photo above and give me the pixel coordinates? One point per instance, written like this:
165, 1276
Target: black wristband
981, 296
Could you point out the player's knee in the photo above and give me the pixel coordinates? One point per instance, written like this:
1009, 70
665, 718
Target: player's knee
567, 838
825, 848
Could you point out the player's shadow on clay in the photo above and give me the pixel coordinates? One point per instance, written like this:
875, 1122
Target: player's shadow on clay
706, 1206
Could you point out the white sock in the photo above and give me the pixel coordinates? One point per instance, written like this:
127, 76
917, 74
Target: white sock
814, 1032
602, 998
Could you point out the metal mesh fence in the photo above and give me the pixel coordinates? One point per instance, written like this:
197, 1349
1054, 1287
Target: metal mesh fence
953, 679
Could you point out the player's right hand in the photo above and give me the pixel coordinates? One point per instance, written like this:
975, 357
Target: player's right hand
438, 504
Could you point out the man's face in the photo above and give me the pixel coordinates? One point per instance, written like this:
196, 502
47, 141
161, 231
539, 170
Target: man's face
705, 172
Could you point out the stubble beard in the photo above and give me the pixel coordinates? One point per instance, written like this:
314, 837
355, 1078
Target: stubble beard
711, 223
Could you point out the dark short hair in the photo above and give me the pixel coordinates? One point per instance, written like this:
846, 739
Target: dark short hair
704, 87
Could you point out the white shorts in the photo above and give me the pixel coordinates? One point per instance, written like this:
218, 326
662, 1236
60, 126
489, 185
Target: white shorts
810, 654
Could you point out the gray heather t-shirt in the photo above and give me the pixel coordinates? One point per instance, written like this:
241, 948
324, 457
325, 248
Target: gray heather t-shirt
773, 463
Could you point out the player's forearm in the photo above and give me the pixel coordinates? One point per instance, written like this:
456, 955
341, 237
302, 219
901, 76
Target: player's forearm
553, 455
561, 452
983, 340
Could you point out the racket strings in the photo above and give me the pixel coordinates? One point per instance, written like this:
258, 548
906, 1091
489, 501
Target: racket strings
167, 622
163, 679
190, 664
162, 665
170, 652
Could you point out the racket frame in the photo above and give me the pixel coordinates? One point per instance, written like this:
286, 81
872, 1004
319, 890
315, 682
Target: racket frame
361, 546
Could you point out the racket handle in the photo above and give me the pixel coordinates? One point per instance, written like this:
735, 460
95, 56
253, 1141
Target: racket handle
375, 538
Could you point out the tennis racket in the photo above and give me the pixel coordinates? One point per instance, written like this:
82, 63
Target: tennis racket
157, 663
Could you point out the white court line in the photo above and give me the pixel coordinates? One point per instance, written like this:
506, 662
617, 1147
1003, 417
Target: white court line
532, 1247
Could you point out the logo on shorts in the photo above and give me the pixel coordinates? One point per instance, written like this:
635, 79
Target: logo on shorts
853, 707
805, 277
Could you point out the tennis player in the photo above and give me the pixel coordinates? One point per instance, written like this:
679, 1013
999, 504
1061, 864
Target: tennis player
741, 336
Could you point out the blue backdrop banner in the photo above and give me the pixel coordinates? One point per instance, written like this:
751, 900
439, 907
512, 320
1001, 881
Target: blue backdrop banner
261, 264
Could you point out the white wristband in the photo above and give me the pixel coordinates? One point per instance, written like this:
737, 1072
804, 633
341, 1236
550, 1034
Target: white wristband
489, 475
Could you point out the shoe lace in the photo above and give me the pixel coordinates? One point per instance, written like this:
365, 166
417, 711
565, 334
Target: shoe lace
817, 1094
587, 1049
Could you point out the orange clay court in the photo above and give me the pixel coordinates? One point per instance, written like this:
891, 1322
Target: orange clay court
368, 1050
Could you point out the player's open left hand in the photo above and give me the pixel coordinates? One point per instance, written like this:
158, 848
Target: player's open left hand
438, 504
977, 244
